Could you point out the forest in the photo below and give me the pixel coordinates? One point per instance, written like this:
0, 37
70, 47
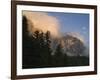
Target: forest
38, 53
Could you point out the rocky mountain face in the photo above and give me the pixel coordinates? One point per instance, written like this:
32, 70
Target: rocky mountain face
72, 46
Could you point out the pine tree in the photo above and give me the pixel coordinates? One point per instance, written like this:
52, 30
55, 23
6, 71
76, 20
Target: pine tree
59, 56
48, 48
27, 46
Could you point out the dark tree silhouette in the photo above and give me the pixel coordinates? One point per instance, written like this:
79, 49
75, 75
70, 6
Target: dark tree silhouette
59, 56
48, 48
36, 48
27, 42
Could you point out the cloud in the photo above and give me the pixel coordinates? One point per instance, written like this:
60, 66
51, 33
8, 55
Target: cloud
42, 21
